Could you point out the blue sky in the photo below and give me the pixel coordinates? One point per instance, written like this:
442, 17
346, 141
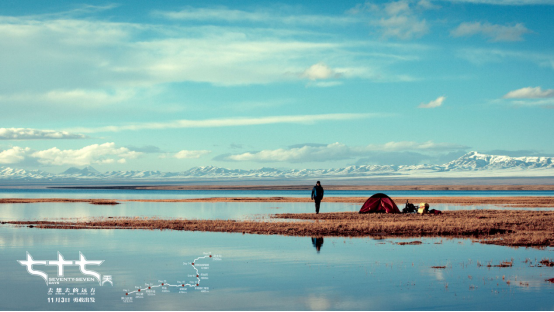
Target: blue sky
138, 85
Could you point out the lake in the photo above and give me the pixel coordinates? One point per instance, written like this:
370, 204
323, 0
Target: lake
156, 194
252, 272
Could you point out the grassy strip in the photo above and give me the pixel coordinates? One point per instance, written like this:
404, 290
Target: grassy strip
499, 227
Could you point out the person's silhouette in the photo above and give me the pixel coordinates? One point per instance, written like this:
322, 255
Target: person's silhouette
317, 242
317, 195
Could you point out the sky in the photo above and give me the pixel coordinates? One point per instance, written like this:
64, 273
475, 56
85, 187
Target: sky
171, 85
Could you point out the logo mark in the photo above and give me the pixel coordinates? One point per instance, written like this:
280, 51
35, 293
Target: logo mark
61, 263
29, 264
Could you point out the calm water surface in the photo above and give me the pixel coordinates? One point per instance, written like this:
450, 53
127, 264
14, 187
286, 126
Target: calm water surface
200, 210
259, 272
255, 272
156, 194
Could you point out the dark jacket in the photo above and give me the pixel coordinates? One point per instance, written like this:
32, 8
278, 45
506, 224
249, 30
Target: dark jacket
317, 192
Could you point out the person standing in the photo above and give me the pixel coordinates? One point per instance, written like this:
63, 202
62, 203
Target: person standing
317, 195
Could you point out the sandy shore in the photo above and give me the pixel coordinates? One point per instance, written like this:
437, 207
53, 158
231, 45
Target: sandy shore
500, 227
514, 201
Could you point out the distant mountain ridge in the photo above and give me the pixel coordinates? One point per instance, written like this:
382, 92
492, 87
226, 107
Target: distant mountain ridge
470, 164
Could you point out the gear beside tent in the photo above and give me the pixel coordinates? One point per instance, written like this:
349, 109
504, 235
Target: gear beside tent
379, 203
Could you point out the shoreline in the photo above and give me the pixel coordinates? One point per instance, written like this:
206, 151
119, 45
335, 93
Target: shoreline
378, 187
507, 201
497, 227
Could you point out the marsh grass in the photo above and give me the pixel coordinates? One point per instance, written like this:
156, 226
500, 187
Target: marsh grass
103, 202
499, 227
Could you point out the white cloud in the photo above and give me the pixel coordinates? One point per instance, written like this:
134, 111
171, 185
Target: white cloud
337, 151
324, 84
397, 7
320, 71
529, 93
13, 155
434, 103
75, 97
191, 154
92, 154
398, 19
402, 27
88, 63
333, 151
506, 2
83, 97
415, 146
481, 56
531, 96
228, 122
427, 5
241, 16
81, 9
491, 31
545, 103
35, 134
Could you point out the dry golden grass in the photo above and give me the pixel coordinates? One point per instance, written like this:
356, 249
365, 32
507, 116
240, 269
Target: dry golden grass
500, 227
503, 264
104, 202
410, 243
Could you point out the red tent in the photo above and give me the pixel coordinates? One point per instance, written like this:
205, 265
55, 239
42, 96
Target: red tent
379, 203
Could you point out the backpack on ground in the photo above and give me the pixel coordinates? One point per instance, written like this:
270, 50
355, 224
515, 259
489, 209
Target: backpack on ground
410, 208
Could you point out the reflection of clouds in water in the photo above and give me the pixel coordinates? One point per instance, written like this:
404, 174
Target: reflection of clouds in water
402, 296
107, 232
316, 303
17, 236
271, 255
200, 210
222, 299
247, 299
54, 211
260, 272
529, 284
438, 274
12, 237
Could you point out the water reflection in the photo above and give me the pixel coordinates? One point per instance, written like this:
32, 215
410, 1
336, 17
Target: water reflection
151, 194
317, 242
202, 210
260, 272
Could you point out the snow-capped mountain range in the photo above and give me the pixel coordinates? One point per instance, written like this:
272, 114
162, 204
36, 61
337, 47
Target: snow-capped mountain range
472, 164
